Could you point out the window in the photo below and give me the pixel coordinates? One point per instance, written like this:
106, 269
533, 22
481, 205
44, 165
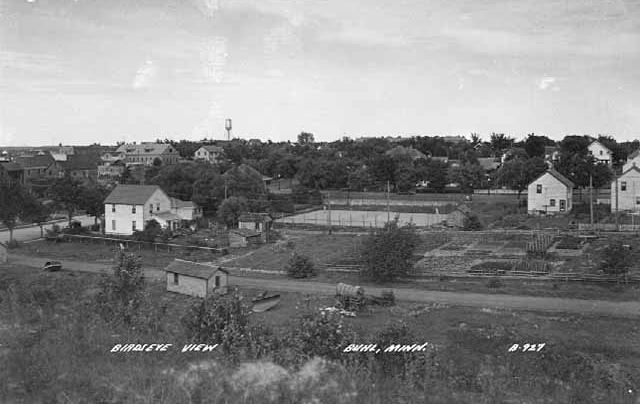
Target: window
601, 152
552, 202
113, 208
637, 200
150, 208
563, 205
113, 225
175, 279
133, 208
539, 189
157, 207
623, 186
133, 225
217, 281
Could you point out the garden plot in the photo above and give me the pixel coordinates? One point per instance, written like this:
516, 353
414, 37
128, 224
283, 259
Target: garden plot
489, 246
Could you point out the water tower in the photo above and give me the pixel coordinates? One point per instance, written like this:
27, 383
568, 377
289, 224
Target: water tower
227, 126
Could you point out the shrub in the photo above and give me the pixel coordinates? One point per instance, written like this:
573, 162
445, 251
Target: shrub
495, 283
300, 266
471, 222
12, 244
388, 298
388, 253
616, 259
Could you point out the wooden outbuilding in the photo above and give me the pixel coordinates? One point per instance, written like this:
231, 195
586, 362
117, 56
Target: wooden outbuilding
196, 279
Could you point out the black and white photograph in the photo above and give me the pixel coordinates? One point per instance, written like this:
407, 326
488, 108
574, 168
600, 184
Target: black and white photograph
319, 201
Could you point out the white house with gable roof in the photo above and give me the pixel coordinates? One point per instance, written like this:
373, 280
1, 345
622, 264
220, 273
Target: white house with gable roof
600, 152
129, 207
626, 189
552, 192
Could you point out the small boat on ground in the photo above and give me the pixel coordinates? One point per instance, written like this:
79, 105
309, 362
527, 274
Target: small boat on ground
264, 302
52, 266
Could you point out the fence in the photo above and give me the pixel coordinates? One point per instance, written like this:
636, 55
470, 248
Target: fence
608, 227
156, 246
531, 275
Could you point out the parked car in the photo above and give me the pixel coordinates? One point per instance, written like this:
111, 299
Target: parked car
52, 266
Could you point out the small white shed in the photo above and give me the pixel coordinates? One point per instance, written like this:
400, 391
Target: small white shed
196, 279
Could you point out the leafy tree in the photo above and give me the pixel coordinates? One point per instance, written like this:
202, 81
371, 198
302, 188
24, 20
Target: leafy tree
157, 162
219, 319
517, 174
471, 222
500, 142
93, 200
36, 212
436, 174
360, 179
574, 145
305, 138
244, 181
387, 254
616, 259
15, 204
469, 176
230, 209
534, 145
300, 266
208, 191
152, 229
122, 294
68, 193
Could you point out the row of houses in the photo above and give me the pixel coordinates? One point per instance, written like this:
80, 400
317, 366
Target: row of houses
552, 192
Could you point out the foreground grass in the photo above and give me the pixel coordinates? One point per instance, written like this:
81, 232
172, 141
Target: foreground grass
55, 349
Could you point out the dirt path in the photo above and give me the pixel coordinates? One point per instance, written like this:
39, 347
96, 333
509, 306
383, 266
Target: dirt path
527, 303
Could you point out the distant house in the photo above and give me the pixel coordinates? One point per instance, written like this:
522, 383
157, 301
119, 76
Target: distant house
81, 167
12, 172
552, 192
129, 207
410, 152
627, 192
442, 159
209, 153
110, 171
148, 153
3, 253
187, 210
489, 163
258, 222
632, 160
195, 279
457, 217
41, 165
245, 169
600, 152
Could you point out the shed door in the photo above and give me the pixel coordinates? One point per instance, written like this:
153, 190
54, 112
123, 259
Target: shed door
217, 281
563, 205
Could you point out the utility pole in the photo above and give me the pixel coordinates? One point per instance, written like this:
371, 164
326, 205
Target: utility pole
329, 213
617, 215
388, 204
225, 187
591, 198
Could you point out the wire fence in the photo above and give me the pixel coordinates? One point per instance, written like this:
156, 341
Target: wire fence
168, 247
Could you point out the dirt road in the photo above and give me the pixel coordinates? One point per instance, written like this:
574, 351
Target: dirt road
526, 303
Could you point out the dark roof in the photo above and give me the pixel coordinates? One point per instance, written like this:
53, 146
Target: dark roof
11, 166
633, 155
245, 169
254, 217
178, 203
193, 269
39, 160
80, 162
566, 181
213, 148
400, 151
131, 194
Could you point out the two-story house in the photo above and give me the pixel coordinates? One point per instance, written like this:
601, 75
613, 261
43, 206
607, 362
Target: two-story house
552, 192
149, 154
10, 171
625, 190
600, 152
209, 153
129, 207
632, 160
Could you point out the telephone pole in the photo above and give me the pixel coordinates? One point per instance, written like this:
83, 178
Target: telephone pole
591, 198
388, 204
329, 213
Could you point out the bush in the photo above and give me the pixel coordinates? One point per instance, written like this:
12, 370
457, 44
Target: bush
13, 244
471, 222
300, 266
616, 259
388, 253
495, 283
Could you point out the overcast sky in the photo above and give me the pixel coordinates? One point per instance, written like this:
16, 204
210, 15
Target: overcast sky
83, 71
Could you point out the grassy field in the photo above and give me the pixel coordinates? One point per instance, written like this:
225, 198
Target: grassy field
54, 349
